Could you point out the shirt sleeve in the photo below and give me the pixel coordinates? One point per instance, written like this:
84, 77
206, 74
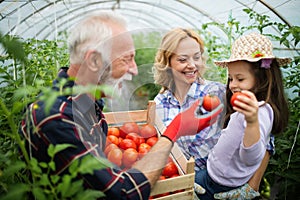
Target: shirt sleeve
123, 185
57, 129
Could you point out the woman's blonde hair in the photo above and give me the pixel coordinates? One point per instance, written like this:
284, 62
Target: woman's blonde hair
161, 69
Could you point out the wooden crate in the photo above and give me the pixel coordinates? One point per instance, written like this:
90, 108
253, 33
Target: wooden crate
184, 182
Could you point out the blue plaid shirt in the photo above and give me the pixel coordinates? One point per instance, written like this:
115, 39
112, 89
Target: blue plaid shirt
78, 120
199, 145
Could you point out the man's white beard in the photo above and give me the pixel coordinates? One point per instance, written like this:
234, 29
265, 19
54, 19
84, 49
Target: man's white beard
116, 84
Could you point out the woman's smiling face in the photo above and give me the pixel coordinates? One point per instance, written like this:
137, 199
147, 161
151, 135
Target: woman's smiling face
186, 61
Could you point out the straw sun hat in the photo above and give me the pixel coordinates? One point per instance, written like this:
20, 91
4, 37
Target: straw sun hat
252, 47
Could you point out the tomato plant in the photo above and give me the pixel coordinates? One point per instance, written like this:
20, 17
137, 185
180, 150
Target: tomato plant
234, 97
210, 102
148, 130
129, 127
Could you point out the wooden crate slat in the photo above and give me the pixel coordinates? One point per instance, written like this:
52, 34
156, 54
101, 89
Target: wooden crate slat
128, 116
185, 195
173, 184
186, 167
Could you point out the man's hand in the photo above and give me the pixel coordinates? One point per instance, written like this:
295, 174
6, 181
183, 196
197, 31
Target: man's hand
244, 192
190, 122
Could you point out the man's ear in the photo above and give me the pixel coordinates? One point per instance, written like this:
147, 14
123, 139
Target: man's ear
94, 60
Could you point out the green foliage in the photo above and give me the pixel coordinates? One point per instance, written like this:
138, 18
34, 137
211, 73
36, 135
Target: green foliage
30, 66
24, 76
145, 56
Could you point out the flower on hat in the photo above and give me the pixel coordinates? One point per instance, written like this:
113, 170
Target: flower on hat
257, 54
266, 63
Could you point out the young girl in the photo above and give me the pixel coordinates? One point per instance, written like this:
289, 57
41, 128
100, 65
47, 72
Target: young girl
253, 70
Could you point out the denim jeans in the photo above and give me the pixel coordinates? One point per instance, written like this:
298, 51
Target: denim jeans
211, 187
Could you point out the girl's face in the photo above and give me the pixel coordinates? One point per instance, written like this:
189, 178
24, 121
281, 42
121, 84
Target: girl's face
240, 76
186, 61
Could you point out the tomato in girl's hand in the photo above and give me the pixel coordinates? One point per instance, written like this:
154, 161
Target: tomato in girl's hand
210, 102
234, 97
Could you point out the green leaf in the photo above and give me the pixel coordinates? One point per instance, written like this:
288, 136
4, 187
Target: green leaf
17, 191
44, 180
13, 169
90, 163
39, 193
55, 178
89, 195
75, 188
64, 186
52, 150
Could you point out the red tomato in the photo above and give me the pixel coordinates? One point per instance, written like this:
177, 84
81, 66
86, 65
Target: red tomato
109, 147
112, 139
234, 97
129, 127
127, 143
136, 138
113, 131
148, 130
130, 155
170, 169
210, 102
144, 148
152, 140
115, 156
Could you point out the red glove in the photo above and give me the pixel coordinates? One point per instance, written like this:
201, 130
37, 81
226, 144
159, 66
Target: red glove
190, 121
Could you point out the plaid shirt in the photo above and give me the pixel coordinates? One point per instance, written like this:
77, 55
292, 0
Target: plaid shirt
78, 120
199, 145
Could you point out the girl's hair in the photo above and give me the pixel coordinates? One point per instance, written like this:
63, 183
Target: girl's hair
161, 69
268, 88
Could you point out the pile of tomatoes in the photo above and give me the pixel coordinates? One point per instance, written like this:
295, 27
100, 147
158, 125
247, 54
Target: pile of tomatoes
129, 143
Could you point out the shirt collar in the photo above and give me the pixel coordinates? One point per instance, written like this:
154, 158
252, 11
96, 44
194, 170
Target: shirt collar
82, 101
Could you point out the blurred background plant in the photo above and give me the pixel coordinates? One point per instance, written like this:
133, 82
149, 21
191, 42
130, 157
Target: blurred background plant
29, 66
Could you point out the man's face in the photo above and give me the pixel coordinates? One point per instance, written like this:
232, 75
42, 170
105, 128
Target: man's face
122, 56
121, 65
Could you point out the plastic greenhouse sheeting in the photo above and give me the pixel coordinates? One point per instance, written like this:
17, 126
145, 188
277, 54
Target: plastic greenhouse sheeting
45, 19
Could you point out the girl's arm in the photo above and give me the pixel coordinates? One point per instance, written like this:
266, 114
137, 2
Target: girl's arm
255, 180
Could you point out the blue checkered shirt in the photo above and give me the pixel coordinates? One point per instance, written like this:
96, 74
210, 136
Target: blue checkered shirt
199, 145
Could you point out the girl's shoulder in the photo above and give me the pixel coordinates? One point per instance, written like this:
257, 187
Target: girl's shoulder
265, 110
